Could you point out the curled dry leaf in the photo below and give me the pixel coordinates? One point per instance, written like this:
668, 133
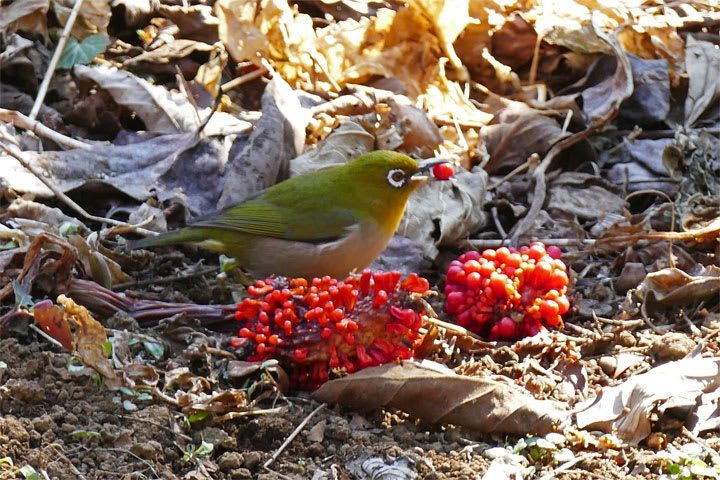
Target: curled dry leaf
436, 394
673, 287
229, 400
625, 409
90, 341
183, 378
238, 371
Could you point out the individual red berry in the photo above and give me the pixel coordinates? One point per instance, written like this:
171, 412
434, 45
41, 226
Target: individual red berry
443, 171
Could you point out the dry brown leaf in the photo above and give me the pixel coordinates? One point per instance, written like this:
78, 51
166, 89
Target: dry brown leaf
673, 287
183, 378
144, 375
229, 400
28, 15
583, 196
436, 394
161, 110
90, 341
196, 22
519, 131
449, 19
177, 48
625, 409
94, 17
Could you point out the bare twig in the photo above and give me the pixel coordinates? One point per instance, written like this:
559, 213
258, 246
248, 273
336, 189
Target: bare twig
237, 81
532, 159
291, 437
55, 59
27, 123
497, 243
45, 335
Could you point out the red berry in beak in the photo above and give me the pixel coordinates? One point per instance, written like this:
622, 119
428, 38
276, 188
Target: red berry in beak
443, 171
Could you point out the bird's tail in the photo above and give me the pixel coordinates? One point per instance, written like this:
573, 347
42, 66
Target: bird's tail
184, 235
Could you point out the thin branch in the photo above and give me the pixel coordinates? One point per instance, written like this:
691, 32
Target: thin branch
15, 152
291, 437
27, 123
55, 59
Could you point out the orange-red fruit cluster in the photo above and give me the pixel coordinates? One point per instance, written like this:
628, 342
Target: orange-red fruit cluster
330, 324
508, 293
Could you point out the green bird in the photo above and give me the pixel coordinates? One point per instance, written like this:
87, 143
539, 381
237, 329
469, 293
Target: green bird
328, 222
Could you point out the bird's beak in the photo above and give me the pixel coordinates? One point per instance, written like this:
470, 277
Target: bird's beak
421, 177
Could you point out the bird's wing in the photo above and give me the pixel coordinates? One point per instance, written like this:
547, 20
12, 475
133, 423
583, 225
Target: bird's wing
260, 217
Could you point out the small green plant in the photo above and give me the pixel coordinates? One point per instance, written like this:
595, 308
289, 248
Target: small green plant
29, 473
194, 418
686, 463
201, 451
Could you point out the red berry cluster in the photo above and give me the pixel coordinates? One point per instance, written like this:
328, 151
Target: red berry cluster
329, 324
508, 293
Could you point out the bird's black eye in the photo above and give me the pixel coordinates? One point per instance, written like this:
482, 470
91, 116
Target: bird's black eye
396, 177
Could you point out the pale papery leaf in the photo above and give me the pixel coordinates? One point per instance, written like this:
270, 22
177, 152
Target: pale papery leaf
625, 409
673, 287
436, 394
702, 62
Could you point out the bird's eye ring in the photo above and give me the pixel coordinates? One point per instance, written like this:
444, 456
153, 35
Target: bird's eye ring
396, 177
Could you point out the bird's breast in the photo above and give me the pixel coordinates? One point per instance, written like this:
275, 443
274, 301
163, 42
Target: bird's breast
356, 250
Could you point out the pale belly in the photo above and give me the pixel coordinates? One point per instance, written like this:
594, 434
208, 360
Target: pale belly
295, 259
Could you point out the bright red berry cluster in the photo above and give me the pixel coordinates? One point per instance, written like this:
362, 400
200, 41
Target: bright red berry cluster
329, 324
508, 293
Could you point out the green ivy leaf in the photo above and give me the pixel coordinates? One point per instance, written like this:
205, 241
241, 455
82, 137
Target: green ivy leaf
22, 297
156, 349
82, 52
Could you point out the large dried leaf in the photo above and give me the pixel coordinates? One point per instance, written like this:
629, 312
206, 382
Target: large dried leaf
702, 62
625, 409
673, 287
94, 16
648, 33
162, 111
89, 341
26, 15
441, 213
517, 132
583, 196
435, 394
278, 137
348, 141
449, 18
640, 165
